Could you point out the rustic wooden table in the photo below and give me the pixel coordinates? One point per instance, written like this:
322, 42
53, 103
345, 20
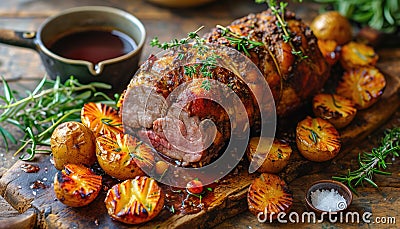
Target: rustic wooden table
23, 68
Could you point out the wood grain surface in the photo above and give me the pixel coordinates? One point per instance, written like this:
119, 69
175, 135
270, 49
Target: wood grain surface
24, 69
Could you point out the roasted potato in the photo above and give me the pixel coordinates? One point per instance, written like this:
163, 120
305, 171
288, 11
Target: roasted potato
336, 109
364, 86
268, 158
123, 156
135, 201
73, 143
317, 139
101, 119
330, 50
356, 55
332, 26
76, 185
269, 194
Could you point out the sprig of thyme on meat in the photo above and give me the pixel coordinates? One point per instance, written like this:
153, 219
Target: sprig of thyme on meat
204, 67
279, 13
175, 42
242, 43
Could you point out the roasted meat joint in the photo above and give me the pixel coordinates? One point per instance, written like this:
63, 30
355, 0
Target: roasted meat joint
239, 122
188, 102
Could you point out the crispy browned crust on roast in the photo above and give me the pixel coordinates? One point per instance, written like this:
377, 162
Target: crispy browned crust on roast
292, 81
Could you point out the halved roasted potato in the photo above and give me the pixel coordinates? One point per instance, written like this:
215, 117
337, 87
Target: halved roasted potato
317, 139
364, 86
336, 109
76, 185
123, 156
268, 159
355, 55
135, 201
330, 50
101, 119
269, 194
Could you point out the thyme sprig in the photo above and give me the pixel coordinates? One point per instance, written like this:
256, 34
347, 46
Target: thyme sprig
242, 43
373, 162
48, 105
175, 42
204, 67
279, 13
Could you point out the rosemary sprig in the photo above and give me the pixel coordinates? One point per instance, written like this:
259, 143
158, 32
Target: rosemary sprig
48, 105
242, 43
109, 122
279, 13
204, 67
313, 135
373, 162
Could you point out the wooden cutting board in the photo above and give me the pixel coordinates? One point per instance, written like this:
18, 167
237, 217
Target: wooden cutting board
228, 199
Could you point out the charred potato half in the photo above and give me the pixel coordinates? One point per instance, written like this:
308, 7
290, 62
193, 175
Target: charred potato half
73, 143
268, 159
123, 156
336, 109
270, 195
364, 86
355, 55
76, 185
135, 201
101, 119
317, 139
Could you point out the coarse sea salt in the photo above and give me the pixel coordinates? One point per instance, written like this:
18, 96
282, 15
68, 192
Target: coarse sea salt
327, 200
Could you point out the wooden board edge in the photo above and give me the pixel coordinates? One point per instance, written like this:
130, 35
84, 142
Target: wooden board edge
26, 220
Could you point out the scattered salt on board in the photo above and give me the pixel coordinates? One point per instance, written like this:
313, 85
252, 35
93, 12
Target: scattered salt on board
327, 200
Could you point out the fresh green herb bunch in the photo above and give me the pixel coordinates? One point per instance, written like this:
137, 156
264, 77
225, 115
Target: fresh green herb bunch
373, 162
48, 105
382, 15
204, 67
